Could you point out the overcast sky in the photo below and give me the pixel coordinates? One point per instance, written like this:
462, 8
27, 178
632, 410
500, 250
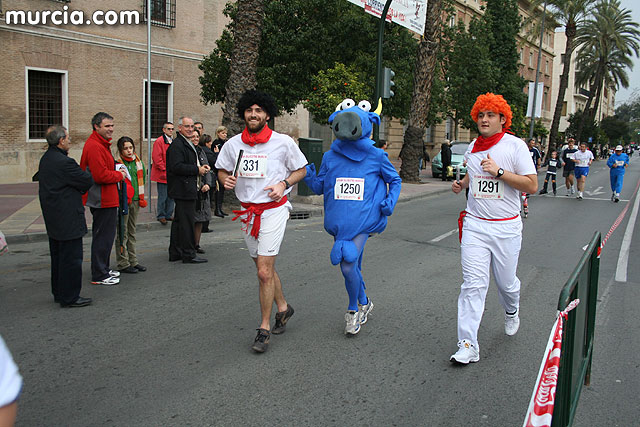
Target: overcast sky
634, 75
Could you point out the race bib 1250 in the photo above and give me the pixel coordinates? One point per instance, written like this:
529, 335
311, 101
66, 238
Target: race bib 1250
349, 189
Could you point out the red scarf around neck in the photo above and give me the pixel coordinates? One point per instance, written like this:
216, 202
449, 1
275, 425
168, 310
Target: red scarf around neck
483, 143
261, 137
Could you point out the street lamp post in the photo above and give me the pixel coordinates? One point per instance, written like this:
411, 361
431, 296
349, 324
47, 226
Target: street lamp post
378, 89
535, 86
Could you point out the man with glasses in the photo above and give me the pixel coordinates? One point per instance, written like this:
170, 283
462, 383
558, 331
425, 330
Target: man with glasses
159, 173
183, 169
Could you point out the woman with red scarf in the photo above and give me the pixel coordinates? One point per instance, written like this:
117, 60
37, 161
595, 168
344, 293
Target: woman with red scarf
126, 248
499, 167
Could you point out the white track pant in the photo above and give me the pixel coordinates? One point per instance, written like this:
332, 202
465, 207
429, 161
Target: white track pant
487, 244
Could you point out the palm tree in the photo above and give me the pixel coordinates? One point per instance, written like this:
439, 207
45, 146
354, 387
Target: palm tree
247, 33
421, 97
570, 14
611, 67
608, 39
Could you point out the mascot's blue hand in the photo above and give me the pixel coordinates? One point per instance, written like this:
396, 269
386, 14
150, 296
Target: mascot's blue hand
386, 207
311, 169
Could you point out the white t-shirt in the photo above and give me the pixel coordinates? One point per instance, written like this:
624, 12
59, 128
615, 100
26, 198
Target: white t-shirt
511, 154
582, 159
10, 379
276, 159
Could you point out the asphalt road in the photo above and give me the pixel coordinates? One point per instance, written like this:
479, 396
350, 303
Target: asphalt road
171, 346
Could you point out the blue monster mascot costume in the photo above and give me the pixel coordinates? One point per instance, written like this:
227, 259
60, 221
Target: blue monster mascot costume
353, 178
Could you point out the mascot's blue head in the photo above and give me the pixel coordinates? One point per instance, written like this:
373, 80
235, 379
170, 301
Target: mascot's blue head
353, 122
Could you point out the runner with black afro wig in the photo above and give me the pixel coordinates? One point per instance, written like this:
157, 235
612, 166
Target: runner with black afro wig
262, 99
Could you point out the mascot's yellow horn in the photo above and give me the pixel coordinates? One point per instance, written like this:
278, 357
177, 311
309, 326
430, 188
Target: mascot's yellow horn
379, 107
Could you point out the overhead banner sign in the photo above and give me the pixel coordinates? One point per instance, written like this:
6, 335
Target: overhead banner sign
410, 14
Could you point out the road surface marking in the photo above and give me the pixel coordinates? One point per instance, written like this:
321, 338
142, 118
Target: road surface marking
444, 236
623, 258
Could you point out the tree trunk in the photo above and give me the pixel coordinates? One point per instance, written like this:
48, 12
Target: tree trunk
587, 114
564, 82
244, 59
421, 97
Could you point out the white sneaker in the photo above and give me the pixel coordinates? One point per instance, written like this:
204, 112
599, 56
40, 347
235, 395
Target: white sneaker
466, 353
511, 323
353, 322
109, 281
573, 191
364, 311
114, 273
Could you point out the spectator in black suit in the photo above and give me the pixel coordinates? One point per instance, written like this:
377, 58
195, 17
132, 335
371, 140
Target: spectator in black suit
62, 184
183, 169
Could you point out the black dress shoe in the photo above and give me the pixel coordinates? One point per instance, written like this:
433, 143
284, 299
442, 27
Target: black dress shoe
129, 270
199, 250
208, 230
140, 267
80, 302
194, 260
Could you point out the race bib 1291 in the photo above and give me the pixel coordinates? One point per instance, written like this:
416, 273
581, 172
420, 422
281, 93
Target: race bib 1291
487, 187
349, 189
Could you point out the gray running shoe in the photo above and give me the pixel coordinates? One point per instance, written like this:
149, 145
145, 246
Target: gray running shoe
364, 311
353, 322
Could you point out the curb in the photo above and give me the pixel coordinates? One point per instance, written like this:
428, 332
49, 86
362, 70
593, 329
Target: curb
297, 213
305, 207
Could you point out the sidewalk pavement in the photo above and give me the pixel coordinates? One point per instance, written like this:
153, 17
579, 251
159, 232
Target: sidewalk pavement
21, 218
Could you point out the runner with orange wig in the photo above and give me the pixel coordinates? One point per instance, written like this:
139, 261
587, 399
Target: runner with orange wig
499, 167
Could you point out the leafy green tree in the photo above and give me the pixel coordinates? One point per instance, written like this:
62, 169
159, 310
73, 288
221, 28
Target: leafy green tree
630, 110
330, 87
615, 129
570, 14
608, 38
590, 129
502, 20
468, 70
300, 38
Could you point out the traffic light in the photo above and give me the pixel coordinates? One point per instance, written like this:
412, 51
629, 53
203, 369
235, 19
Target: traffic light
387, 83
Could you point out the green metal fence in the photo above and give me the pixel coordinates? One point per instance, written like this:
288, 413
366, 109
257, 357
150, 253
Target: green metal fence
577, 342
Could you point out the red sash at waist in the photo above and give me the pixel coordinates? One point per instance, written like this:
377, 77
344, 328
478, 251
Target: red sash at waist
255, 209
465, 213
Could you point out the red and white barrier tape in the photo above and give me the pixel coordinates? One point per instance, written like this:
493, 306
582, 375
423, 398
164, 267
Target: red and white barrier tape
540, 412
618, 220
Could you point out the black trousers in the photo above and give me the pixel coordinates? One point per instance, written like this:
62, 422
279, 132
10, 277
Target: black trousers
103, 231
552, 177
182, 244
66, 269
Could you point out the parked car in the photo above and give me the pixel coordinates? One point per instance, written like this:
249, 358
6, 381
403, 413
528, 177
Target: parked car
458, 148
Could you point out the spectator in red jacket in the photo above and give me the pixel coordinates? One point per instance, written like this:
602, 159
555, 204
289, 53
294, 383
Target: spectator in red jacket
159, 173
102, 198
